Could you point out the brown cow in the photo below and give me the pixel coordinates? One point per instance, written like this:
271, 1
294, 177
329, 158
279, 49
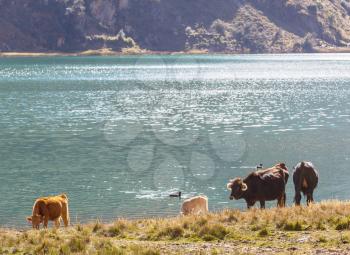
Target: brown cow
50, 208
305, 178
262, 185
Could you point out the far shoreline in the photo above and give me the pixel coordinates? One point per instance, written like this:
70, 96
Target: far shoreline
131, 52
101, 52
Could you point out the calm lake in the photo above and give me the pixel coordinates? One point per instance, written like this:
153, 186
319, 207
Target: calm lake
118, 134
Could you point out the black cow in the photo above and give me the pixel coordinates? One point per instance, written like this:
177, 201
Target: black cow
262, 185
305, 178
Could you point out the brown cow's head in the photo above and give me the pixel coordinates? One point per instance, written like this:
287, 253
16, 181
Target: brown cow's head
237, 187
36, 220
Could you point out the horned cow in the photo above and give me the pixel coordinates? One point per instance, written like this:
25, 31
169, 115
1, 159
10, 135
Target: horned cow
262, 185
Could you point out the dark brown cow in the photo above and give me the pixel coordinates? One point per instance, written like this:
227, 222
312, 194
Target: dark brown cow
262, 185
305, 178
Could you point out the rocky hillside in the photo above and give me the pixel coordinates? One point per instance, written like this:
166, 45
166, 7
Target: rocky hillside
249, 26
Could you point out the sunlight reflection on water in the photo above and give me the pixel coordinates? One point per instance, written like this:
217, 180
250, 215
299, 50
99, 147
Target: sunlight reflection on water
118, 134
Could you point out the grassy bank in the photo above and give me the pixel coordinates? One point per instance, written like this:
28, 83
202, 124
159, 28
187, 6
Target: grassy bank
322, 228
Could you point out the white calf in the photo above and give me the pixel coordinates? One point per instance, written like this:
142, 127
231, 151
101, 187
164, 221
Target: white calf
195, 205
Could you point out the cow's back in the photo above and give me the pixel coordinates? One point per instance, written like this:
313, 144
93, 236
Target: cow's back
267, 184
54, 207
50, 206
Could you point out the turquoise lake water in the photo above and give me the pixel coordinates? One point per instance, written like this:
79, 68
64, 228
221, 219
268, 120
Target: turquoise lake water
118, 134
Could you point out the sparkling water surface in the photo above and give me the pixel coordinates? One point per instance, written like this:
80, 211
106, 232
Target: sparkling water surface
118, 134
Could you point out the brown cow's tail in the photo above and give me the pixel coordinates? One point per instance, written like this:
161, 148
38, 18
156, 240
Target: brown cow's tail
302, 178
68, 215
65, 210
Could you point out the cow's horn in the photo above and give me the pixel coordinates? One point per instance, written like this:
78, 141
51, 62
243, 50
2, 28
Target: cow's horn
244, 186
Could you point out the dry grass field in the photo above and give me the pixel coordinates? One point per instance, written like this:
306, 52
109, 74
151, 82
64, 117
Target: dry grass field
323, 228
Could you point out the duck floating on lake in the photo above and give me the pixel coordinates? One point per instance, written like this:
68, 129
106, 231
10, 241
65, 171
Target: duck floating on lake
260, 166
176, 194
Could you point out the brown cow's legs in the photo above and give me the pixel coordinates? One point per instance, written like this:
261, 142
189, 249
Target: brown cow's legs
58, 222
250, 204
310, 198
262, 204
297, 198
46, 221
281, 201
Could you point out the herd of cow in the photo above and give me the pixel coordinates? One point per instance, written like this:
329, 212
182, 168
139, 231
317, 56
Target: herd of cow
270, 184
260, 185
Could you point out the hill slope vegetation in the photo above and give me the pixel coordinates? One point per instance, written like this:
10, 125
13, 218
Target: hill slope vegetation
234, 26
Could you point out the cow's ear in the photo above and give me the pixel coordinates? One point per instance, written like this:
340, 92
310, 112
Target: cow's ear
29, 219
244, 186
